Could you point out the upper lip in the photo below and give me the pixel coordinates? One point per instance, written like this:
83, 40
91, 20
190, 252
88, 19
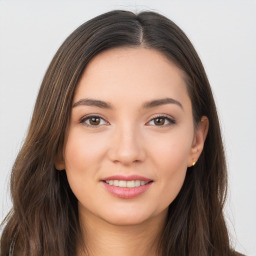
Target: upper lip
127, 178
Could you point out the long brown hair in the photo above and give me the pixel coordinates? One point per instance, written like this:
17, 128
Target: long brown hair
44, 218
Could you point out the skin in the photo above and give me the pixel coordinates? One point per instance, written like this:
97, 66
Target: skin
128, 139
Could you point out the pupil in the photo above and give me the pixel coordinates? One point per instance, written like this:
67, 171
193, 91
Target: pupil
159, 121
94, 120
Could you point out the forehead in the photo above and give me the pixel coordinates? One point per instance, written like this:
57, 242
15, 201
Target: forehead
131, 75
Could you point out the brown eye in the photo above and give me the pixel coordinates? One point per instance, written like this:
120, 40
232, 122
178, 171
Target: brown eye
93, 121
159, 121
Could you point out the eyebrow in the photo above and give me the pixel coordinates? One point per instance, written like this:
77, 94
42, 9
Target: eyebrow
106, 105
92, 102
159, 102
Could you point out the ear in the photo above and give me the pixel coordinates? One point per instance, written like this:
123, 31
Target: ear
59, 161
198, 141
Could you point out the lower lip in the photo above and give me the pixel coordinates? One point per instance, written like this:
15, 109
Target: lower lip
127, 193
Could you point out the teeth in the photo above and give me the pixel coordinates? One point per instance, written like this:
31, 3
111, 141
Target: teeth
130, 184
122, 183
126, 184
137, 183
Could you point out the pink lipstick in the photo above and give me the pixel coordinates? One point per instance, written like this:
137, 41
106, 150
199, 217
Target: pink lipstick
126, 186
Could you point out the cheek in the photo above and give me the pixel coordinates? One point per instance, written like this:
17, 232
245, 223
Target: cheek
83, 157
172, 150
173, 165
82, 151
171, 154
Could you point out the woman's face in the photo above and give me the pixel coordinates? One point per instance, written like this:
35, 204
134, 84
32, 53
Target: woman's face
131, 136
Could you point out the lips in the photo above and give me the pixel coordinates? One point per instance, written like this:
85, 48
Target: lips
126, 186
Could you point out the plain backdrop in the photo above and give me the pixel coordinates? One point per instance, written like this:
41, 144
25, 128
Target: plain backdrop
223, 33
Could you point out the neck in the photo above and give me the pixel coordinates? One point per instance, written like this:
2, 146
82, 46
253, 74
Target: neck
105, 239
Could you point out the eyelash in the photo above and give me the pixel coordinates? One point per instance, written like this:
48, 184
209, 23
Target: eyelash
83, 120
168, 118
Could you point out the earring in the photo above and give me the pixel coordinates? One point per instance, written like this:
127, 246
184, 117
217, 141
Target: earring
193, 164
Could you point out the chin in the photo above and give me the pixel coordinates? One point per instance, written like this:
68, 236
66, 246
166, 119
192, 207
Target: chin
125, 220
130, 218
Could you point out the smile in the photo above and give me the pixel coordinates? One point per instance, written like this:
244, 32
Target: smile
126, 184
126, 187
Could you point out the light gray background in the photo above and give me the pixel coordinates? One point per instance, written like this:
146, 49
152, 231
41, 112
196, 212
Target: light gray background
224, 34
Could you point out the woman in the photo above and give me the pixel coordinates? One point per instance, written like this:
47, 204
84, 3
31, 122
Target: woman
124, 153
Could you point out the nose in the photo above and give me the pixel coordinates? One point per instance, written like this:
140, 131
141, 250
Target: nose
127, 146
